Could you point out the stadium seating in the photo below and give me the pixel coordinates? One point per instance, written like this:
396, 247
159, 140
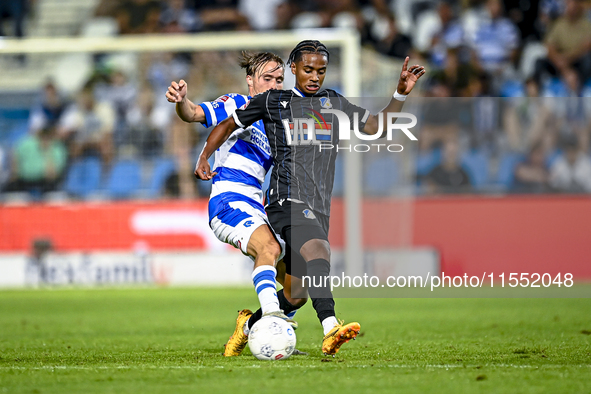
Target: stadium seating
512, 89
507, 164
124, 179
554, 87
476, 164
163, 168
84, 177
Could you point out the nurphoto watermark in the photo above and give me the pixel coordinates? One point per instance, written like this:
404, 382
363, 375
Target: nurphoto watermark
324, 126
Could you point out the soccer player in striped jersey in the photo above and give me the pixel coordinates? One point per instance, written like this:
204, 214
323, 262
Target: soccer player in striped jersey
236, 213
299, 196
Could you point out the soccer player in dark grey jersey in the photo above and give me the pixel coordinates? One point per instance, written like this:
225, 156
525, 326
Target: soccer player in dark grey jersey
302, 179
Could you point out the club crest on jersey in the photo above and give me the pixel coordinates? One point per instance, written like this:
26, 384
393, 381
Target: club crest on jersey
309, 214
325, 102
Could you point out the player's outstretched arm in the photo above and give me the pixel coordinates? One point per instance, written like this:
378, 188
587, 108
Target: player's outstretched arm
216, 138
406, 83
185, 109
242, 117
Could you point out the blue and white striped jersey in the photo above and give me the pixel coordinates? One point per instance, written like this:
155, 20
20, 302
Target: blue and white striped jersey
494, 41
241, 162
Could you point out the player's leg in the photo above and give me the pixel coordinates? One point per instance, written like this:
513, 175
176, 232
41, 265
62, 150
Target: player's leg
265, 250
288, 302
280, 267
309, 235
286, 269
246, 228
295, 299
316, 252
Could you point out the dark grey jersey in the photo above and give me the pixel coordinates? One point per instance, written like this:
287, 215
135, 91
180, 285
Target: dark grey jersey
301, 131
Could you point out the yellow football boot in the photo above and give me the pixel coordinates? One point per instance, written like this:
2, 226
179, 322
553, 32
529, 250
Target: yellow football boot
238, 340
338, 336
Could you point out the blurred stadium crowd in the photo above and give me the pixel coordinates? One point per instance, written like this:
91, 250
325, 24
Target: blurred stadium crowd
504, 108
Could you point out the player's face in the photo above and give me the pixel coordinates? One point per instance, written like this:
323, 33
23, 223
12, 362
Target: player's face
270, 77
310, 72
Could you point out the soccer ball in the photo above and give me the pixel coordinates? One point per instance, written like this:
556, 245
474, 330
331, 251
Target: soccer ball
271, 338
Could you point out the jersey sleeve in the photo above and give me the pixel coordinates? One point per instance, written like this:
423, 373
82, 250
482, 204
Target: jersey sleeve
351, 109
255, 110
221, 108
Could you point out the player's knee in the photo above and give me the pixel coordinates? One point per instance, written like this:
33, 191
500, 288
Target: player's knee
316, 249
299, 302
272, 249
295, 293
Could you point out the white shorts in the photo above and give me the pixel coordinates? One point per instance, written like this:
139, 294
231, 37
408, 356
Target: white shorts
235, 224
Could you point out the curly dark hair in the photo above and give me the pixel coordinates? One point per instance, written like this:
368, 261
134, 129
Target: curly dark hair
307, 46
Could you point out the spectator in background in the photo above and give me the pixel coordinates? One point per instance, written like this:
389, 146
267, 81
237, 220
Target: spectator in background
329, 13
486, 114
172, 188
455, 75
527, 120
88, 127
38, 162
49, 109
571, 107
496, 41
437, 32
120, 93
284, 13
569, 44
549, 12
261, 14
146, 124
571, 171
177, 18
107, 8
340, 13
15, 10
138, 16
220, 15
531, 175
166, 67
449, 176
390, 41
440, 118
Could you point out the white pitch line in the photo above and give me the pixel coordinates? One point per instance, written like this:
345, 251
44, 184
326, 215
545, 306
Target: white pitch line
289, 365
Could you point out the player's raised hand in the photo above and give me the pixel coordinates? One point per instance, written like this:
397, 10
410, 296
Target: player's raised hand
176, 91
203, 170
409, 77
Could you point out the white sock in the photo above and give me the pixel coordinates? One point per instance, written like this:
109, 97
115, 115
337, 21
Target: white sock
263, 278
329, 323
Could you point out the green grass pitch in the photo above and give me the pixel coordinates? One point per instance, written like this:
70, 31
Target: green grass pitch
169, 340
